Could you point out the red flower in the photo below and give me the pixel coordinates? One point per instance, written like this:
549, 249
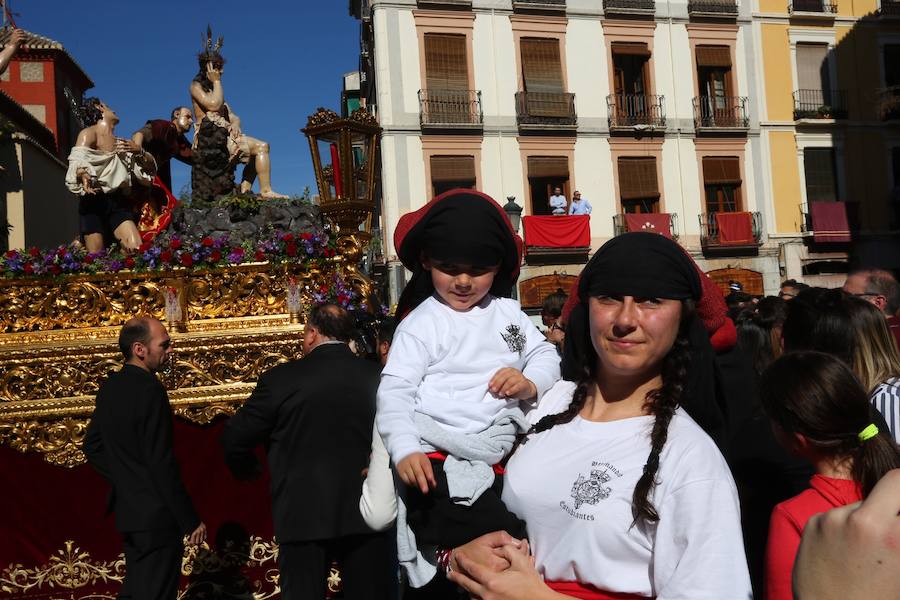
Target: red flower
207, 241
28, 268
129, 262
343, 298
144, 247
237, 251
259, 256
323, 289
290, 249
61, 252
10, 253
288, 237
165, 256
34, 252
214, 256
305, 236
55, 269
329, 252
187, 260
88, 260
175, 244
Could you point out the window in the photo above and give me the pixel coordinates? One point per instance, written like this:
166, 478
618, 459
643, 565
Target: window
450, 172
722, 184
446, 97
819, 169
545, 174
813, 79
891, 65
630, 68
638, 188
895, 167
714, 76
541, 65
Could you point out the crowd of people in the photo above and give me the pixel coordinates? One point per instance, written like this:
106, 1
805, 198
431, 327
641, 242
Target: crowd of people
652, 443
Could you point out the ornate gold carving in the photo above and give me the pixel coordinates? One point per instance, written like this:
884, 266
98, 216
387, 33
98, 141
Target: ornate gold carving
363, 117
58, 440
322, 116
70, 568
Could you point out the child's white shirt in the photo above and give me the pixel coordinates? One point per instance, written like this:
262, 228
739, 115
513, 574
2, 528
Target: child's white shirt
441, 361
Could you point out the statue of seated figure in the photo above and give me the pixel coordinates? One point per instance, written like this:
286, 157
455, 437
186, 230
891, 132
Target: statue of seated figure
216, 123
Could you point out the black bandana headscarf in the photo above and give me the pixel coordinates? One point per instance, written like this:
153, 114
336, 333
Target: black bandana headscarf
646, 265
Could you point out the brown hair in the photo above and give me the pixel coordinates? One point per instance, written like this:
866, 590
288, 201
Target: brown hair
875, 356
816, 395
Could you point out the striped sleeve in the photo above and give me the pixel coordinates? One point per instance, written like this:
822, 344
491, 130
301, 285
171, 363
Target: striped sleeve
886, 398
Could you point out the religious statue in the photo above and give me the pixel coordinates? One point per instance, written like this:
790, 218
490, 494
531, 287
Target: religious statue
164, 140
219, 142
10, 48
102, 170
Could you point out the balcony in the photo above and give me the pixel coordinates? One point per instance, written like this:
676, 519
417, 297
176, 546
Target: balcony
730, 233
556, 240
729, 112
636, 111
445, 3
546, 110
662, 223
712, 8
629, 7
450, 109
829, 221
820, 104
888, 100
549, 6
812, 7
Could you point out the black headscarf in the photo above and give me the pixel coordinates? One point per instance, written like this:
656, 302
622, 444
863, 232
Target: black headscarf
647, 265
462, 227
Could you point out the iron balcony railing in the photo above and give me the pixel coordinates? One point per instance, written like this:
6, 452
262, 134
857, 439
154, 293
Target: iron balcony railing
546, 109
812, 6
629, 6
450, 108
709, 230
889, 8
636, 110
721, 8
620, 225
728, 112
820, 104
542, 5
888, 100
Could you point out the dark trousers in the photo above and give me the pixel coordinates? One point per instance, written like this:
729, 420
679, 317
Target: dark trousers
437, 520
152, 565
304, 567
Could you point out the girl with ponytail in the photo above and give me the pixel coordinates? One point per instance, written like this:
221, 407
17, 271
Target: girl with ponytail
820, 412
623, 493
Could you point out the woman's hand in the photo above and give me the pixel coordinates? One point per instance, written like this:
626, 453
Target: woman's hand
485, 551
520, 580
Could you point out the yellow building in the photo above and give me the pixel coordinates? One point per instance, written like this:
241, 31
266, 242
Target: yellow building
830, 120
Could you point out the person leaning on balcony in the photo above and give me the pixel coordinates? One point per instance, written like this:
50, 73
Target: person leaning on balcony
558, 202
580, 206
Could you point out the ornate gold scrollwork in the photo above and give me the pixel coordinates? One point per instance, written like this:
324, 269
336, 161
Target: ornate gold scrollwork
70, 568
58, 440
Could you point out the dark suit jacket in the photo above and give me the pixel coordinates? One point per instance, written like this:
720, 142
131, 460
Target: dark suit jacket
315, 418
129, 442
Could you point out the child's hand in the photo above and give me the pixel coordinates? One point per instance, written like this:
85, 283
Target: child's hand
415, 471
511, 383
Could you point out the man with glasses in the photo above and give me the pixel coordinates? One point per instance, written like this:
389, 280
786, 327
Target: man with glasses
879, 287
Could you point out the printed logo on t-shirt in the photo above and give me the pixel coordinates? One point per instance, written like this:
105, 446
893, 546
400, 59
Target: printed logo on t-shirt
514, 338
591, 489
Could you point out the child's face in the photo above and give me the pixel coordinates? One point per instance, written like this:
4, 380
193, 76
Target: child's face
460, 286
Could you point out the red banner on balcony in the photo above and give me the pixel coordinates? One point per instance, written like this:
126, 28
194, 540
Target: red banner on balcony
660, 223
735, 228
557, 232
829, 222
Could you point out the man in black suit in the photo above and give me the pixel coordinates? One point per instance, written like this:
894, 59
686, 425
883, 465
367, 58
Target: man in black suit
129, 442
314, 416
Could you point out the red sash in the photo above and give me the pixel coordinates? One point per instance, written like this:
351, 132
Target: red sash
442, 456
589, 592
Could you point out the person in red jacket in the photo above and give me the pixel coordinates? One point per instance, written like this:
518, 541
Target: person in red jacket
820, 412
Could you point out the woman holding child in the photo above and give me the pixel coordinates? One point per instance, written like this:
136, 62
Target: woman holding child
622, 493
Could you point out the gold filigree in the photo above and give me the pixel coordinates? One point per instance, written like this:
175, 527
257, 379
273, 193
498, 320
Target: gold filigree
70, 568
322, 116
363, 117
59, 440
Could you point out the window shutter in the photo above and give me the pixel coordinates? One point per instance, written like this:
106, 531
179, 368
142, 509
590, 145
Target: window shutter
812, 67
541, 66
452, 168
637, 178
630, 48
714, 56
548, 166
719, 170
818, 167
446, 65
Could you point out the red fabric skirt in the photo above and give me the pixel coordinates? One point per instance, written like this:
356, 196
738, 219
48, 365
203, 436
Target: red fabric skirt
588, 592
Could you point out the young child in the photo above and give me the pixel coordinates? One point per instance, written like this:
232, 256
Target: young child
464, 358
820, 412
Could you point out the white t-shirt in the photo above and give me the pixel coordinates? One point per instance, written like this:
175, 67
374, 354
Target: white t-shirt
442, 360
573, 486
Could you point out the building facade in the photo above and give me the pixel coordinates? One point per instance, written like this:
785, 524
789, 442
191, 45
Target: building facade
677, 117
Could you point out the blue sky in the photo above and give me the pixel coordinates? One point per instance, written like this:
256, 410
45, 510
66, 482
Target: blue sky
284, 59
